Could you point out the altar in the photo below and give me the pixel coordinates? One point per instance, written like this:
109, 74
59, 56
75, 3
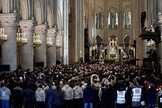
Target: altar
113, 51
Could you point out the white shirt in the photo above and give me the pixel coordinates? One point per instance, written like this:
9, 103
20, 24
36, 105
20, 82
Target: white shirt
78, 93
40, 95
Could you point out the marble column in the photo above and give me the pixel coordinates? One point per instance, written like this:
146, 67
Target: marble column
9, 48
81, 11
79, 31
40, 30
27, 50
160, 6
58, 46
65, 43
51, 51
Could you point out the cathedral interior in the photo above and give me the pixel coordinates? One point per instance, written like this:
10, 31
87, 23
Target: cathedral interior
48, 32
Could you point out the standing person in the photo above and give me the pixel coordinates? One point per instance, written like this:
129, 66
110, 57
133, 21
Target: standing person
128, 95
28, 97
160, 97
96, 86
136, 96
68, 95
120, 102
40, 97
17, 94
151, 96
49, 97
104, 96
107, 96
88, 96
78, 96
5, 95
58, 97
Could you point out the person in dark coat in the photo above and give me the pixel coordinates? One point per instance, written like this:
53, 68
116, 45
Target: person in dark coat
17, 96
107, 96
49, 97
151, 96
28, 97
88, 96
58, 97
128, 96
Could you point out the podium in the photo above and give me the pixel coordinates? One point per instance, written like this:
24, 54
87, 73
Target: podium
152, 64
148, 63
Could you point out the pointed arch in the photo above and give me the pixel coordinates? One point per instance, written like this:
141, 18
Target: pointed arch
98, 39
126, 39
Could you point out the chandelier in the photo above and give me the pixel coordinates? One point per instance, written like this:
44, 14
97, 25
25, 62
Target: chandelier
21, 39
36, 41
150, 43
3, 37
49, 42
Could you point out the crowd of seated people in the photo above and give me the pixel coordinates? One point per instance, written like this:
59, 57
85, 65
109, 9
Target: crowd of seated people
81, 86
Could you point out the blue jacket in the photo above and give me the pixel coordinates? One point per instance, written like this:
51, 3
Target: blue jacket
29, 94
88, 94
49, 97
58, 97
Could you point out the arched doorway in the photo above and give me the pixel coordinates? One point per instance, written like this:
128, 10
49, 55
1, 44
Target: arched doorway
99, 43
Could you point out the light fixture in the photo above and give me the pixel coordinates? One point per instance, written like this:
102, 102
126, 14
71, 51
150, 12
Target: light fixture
21, 39
36, 40
3, 37
49, 42
150, 29
150, 43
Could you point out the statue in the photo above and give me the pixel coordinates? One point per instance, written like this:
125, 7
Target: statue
143, 18
101, 49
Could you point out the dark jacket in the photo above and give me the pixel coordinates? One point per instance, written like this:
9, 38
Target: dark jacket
88, 94
29, 94
49, 93
151, 95
58, 97
108, 94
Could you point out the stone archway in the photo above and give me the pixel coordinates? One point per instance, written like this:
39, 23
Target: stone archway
98, 39
125, 49
98, 42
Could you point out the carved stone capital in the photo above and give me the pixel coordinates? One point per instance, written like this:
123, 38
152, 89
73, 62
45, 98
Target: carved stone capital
40, 29
26, 25
51, 32
8, 19
60, 33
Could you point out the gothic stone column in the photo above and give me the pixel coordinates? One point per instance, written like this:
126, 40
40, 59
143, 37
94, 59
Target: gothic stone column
65, 43
27, 50
9, 48
40, 30
51, 51
79, 39
160, 44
